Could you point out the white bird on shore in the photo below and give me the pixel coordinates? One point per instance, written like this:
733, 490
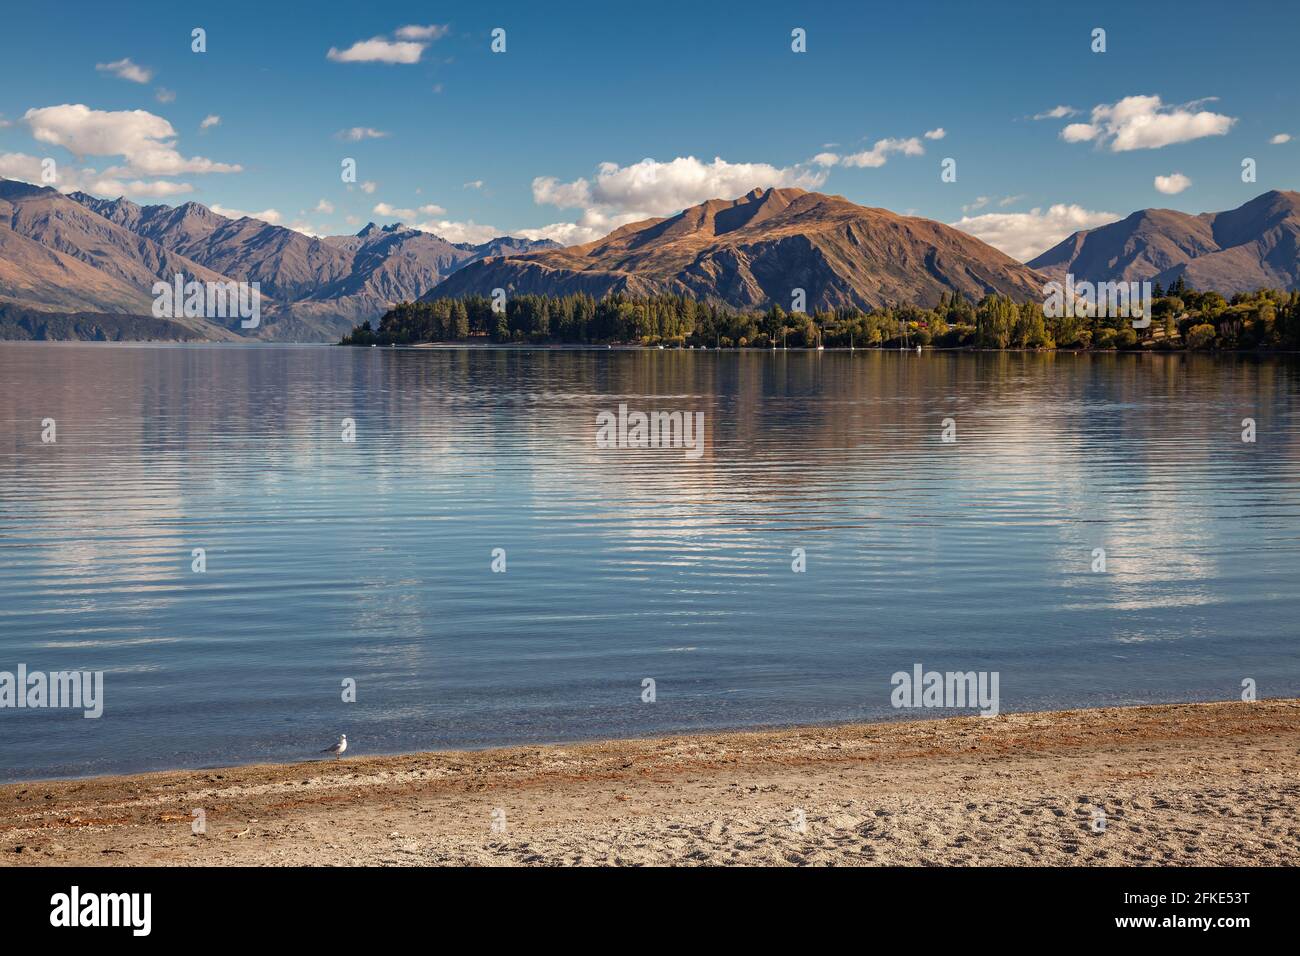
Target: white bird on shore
338, 748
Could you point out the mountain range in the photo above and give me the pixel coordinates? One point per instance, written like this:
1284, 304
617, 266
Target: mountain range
77, 253
757, 249
1256, 245
87, 259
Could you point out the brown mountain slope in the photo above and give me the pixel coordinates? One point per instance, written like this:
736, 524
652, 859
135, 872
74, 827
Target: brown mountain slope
1139, 247
395, 263
48, 217
287, 264
381, 264
757, 249
385, 266
312, 289
37, 276
1253, 246
324, 285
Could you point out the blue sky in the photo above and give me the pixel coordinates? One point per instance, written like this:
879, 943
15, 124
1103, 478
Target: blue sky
585, 84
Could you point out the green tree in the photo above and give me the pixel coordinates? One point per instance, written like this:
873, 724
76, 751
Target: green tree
1200, 336
459, 321
994, 322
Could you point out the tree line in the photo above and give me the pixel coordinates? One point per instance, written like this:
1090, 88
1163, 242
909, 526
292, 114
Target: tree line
1181, 318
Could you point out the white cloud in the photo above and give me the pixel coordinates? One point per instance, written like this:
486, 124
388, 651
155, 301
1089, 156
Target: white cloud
565, 233
1280, 138
369, 187
939, 133
124, 69
395, 212
156, 188
272, 216
1057, 112
209, 121
325, 206
460, 231
146, 141
1023, 235
1079, 133
358, 133
4, 122
378, 50
28, 169
621, 194
878, 154
826, 159
591, 225
399, 212
1172, 184
549, 191
981, 202
1144, 122
164, 95
414, 32
22, 167
473, 184
656, 188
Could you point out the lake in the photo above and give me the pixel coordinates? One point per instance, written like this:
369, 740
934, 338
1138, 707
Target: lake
330, 561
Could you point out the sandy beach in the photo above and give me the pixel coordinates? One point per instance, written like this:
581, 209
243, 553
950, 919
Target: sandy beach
1194, 784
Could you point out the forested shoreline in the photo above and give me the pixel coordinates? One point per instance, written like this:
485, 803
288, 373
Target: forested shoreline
1181, 318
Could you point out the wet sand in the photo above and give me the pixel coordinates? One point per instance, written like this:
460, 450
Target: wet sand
1189, 784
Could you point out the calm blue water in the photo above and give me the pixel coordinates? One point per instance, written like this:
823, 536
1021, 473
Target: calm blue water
371, 560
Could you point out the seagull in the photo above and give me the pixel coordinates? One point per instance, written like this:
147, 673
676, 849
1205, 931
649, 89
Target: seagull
338, 748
